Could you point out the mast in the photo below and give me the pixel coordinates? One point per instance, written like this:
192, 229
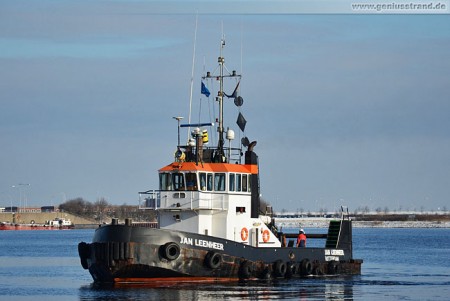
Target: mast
220, 151
220, 154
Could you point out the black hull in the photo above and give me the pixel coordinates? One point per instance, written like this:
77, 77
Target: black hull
125, 253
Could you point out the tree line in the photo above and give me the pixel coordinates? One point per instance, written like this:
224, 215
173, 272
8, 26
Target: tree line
101, 210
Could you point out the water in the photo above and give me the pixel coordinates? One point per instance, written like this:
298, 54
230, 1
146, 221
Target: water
399, 264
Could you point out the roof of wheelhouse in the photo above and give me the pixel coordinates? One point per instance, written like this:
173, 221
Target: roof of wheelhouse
211, 167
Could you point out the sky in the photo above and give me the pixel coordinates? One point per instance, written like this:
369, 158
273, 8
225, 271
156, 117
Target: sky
348, 109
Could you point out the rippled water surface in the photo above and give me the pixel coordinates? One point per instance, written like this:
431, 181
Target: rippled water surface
399, 264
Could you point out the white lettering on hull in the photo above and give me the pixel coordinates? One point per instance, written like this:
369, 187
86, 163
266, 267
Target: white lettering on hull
333, 255
334, 252
186, 241
201, 243
331, 258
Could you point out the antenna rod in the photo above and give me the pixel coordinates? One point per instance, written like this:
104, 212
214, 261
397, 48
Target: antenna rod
192, 75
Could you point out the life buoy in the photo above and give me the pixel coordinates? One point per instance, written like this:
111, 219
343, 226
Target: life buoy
213, 260
266, 235
170, 251
244, 234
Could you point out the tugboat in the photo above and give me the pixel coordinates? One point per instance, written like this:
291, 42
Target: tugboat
209, 223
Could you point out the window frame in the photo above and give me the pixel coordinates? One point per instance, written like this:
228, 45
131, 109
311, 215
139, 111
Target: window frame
220, 181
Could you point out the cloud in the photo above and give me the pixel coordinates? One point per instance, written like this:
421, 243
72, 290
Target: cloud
96, 48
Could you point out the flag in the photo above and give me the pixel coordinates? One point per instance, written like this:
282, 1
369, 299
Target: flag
205, 90
235, 94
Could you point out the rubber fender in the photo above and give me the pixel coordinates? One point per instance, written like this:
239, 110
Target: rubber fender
245, 270
288, 273
84, 251
319, 270
213, 260
266, 274
170, 251
306, 267
105, 248
116, 250
293, 268
334, 268
121, 251
279, 268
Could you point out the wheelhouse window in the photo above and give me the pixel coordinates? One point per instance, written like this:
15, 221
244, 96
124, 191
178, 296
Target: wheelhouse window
232, 181
178, 181
238, 182
203, 181
209, 183
191, 181
219, 182
165, 182
244, 182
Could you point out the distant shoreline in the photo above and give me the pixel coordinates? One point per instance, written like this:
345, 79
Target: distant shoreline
323, 223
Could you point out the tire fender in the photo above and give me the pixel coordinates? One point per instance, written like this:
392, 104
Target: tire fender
213, 260
245, 270
170, 251
306, 267
279, 268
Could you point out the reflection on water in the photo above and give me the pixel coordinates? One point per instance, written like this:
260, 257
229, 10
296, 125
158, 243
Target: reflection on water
298, 289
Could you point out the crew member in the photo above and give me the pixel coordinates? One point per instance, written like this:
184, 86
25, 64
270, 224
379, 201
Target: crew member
301, 239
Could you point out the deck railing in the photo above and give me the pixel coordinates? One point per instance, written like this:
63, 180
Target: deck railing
182, 200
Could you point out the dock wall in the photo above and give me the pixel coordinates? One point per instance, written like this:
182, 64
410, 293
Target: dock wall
40, 218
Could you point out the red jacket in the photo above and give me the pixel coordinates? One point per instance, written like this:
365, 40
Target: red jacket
301, 240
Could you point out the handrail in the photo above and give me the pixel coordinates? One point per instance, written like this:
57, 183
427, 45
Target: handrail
310, 235
344, 213
181, 200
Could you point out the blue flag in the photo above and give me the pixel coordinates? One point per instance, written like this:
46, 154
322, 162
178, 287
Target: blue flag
205, 90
